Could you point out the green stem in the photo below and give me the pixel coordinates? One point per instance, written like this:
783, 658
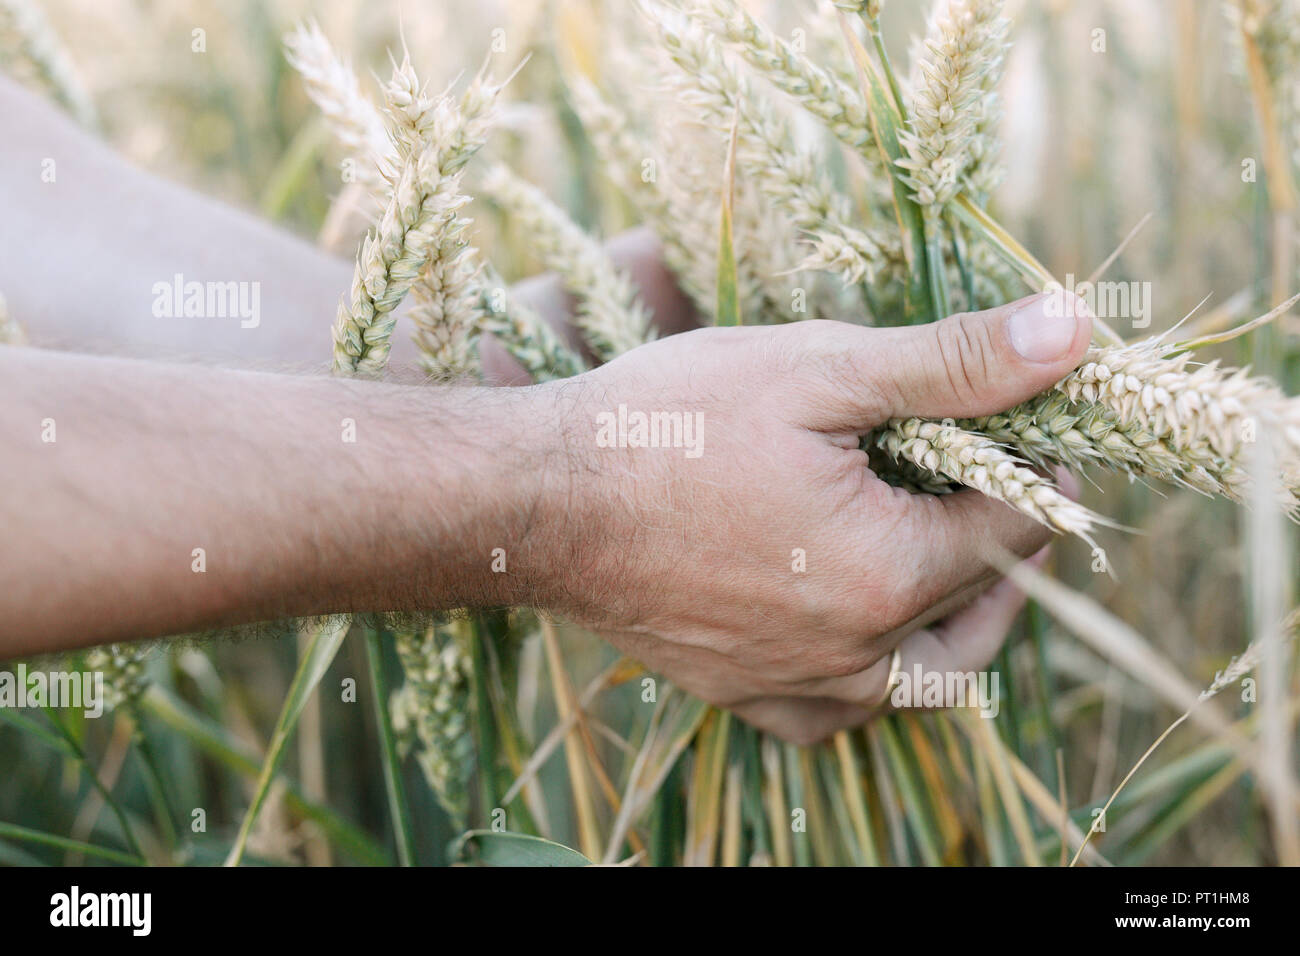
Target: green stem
9, 831
153, 778
934, 267
883, 52
80, 756
398, 810
959, 255
316, 659
485, 736
216, 742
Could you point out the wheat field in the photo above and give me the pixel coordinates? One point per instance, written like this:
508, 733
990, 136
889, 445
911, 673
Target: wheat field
879, 163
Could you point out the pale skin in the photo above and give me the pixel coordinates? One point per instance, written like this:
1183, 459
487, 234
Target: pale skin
685, 564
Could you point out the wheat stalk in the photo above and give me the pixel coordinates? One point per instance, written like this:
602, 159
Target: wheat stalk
766, 150
610, 313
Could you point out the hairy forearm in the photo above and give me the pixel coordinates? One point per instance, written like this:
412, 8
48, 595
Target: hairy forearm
144, 499
90, 236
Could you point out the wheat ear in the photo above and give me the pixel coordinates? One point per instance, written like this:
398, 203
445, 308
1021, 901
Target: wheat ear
978, 462
610, 313
432, 709
785, 173
965, 44
433, 141
332, 85
123, 667
834, 102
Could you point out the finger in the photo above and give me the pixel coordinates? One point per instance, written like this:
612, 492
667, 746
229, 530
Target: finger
965, 641
967, 522
953, 533
800, 721
970, 364
972, 637
960, 647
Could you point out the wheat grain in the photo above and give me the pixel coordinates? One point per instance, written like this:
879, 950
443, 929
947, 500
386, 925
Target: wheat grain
1051, 429
1156, 386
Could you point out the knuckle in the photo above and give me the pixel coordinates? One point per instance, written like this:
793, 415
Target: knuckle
967, 353
843, 363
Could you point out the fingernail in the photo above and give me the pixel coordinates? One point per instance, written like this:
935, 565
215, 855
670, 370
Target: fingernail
1043, 329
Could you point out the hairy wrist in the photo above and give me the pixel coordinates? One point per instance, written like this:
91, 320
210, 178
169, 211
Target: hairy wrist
499, 497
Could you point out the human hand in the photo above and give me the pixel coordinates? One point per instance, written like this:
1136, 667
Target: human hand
688, 558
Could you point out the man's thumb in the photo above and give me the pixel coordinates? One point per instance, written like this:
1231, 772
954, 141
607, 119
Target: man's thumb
979, 363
